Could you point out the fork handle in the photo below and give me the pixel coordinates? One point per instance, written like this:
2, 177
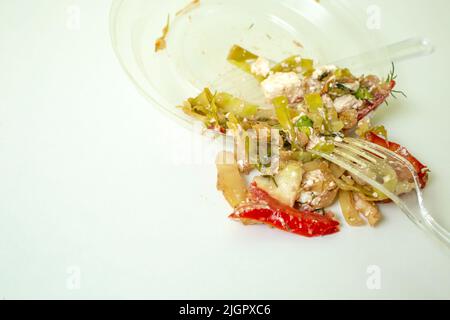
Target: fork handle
396, 52
438, 231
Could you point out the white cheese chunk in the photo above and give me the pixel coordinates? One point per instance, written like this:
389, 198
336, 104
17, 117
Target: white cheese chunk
286, 84
347, 102
352, 86
261, 67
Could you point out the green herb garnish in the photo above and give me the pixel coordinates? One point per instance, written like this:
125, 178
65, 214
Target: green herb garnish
363, 94
304, 122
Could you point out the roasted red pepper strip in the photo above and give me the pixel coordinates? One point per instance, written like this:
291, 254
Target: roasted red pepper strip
421, 169
271, 212
378, 101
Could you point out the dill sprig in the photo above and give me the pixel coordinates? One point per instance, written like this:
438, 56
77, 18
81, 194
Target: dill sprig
394, 92
391, 77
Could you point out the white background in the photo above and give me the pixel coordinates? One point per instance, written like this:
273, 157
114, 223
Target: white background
89, 190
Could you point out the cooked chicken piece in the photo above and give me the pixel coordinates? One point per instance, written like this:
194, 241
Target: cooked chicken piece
370, 81
347, 102
318, 189
302, 139
349, 118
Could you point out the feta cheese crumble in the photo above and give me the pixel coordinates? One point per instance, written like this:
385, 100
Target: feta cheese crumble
321, 71
261, 67
286, 84
312, 178
347, 102
327, 101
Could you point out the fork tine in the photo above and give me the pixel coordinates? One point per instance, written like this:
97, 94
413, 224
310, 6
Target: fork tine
382, 167
344, 161
416, 210
350, 167
351, 157
360, 152
367, 146
358, 155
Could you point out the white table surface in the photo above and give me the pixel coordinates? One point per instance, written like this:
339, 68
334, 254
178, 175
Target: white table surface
92, 204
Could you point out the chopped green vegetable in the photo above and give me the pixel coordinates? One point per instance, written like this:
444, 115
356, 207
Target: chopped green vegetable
318, 121
365, 126
314, 102
240, 108
243, 59
304, 121
307, 66
288, 65
201, 107
240, 54
233, 123
303, 156
203, 99
325, 147
343, 73
363, 94
216, 110
336, 126
380, 130
306, 130
332, 122
283, 114
295, 64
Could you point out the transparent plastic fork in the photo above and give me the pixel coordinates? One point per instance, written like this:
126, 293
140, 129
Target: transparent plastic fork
244, 86
380, 168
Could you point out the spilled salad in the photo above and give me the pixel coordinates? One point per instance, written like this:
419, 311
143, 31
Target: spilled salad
273, 177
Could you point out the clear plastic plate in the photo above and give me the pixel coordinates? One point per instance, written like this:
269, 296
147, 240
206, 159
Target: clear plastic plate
199, 40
